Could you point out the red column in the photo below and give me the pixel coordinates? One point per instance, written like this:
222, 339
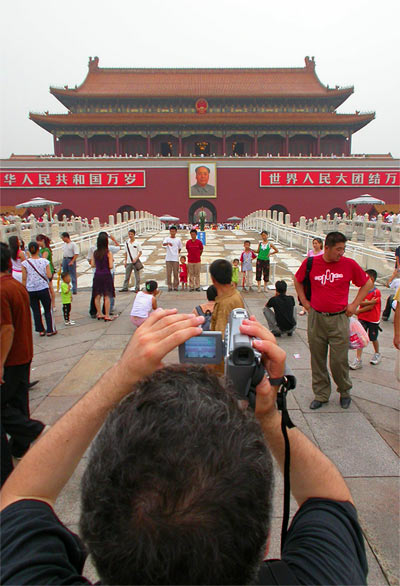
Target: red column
117, 151
180, 146
255, 147
148, 146
223, 145
318, 145
286, 147
86, 141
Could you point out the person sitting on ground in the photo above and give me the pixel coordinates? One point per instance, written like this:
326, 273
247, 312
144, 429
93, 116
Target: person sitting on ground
280, 311
178, 487
368, 314
145, 302
206, 309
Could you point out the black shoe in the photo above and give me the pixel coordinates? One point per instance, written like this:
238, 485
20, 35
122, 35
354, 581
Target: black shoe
198, 289
32, 384
315, 404
123, 290
345, 402
384, 318
277, 334
290, 333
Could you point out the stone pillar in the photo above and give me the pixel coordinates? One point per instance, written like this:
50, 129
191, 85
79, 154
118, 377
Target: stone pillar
354, 236
55, 231
264, 213
111, 220
141, 214
342, 228
369, 235
318, 145
287, 220
255, 146
269, 214
125, 216
137, 215
224, 145
180, 146
119, 218
148, 144
280, 217
96, 223
286, 147
274, 215
131, 215
78, 226
117, 146
55, 146
320, 226
302, 223
86, 141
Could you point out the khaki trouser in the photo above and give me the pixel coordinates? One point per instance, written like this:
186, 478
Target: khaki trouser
333, 332
172, 270
194, 274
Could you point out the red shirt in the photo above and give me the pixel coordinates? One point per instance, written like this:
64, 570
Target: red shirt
194, 249
330, 282
372, 315
183, 270
15, 310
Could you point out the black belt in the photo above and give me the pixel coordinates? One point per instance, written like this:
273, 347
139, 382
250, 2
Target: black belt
326, 314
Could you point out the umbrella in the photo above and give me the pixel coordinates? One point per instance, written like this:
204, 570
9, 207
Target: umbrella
168, 218
39, 202
234, 219
364, 200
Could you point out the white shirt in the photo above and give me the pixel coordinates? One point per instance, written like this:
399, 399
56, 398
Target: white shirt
134, 248
33, 281
70, 249
173, 251
143, 305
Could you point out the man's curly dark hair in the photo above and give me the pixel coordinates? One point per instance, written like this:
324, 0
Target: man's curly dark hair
178, 488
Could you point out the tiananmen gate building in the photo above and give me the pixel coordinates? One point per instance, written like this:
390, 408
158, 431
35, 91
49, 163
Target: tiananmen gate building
175, 141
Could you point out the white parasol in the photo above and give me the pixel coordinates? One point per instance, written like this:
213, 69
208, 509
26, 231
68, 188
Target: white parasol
39, 202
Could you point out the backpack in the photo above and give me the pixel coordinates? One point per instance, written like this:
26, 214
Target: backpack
206, 325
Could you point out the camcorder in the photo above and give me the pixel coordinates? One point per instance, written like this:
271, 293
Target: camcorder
243, 365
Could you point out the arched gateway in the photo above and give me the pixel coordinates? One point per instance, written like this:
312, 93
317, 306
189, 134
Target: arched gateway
205, 206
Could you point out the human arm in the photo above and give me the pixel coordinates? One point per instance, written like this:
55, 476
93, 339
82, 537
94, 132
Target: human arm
154, 303
45, 254
362, 292
24, 276
114, 240
73, 259
21, 256
396, 324
110, 260
312, 474
300, 293
48, 271
45, 469
275, 250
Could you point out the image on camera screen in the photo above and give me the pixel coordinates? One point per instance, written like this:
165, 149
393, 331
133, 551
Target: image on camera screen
201, 347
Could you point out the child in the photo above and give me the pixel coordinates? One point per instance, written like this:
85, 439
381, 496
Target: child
145, 302
369, 313
280, 311
66, 298
246, 258
183, 274
235, 272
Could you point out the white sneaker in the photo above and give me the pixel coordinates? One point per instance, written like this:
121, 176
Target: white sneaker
356, 364
66, 323
376, 358
71, 322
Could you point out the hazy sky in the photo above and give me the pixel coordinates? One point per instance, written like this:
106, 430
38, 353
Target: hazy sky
355, 42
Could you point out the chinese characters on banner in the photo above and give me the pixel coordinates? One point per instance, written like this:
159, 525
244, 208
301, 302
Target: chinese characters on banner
73, 179
336, 178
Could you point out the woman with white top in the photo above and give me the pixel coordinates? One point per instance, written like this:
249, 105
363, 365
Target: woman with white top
145, 302
36, 274
17, 257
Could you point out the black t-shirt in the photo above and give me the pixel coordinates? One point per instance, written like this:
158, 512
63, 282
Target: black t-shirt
283, 307
324, 545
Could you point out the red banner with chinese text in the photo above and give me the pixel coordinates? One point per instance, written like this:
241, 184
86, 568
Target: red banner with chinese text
322, 178
72, 179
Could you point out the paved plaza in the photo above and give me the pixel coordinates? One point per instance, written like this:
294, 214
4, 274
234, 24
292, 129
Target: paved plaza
362, 441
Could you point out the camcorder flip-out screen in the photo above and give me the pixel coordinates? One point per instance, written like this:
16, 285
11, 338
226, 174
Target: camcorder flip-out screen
204, 349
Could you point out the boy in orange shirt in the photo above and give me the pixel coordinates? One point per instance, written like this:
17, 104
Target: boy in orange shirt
369, 313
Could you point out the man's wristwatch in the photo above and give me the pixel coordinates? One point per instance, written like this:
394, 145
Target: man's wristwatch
277, 382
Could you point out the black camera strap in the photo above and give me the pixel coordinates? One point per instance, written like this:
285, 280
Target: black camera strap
286, 423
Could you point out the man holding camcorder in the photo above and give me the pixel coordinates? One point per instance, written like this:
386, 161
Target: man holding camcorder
179, 484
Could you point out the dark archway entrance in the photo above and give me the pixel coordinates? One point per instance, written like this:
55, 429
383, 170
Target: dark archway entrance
202, 148
279, 208
202, 205
337, 211
65, 212
126, 208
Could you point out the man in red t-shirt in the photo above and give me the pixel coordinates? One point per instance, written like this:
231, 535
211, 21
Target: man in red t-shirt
194, 248
16, 357
328, 320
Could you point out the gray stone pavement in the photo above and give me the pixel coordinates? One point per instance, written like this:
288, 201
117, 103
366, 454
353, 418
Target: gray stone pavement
363, 441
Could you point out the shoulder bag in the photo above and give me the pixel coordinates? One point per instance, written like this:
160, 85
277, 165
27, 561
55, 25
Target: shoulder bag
138, 264
35, 269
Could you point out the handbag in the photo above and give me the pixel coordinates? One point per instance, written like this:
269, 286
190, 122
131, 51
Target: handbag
138, 264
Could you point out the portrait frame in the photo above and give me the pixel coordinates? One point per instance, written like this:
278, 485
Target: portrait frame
212, 182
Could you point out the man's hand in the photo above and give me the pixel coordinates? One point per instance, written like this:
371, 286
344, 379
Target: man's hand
306, 305
163, 331
273, 358
351, 309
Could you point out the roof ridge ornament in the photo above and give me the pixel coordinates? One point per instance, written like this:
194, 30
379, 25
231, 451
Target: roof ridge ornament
93, 64
310, 63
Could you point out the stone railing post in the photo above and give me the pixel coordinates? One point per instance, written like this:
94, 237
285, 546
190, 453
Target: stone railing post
131, 215
55, 232
303, 223
111, 220
137, 215
96, 223
369, 235
354, 236
287, 220
125, 216
274, 215
119, 218
280, 217
269, 214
